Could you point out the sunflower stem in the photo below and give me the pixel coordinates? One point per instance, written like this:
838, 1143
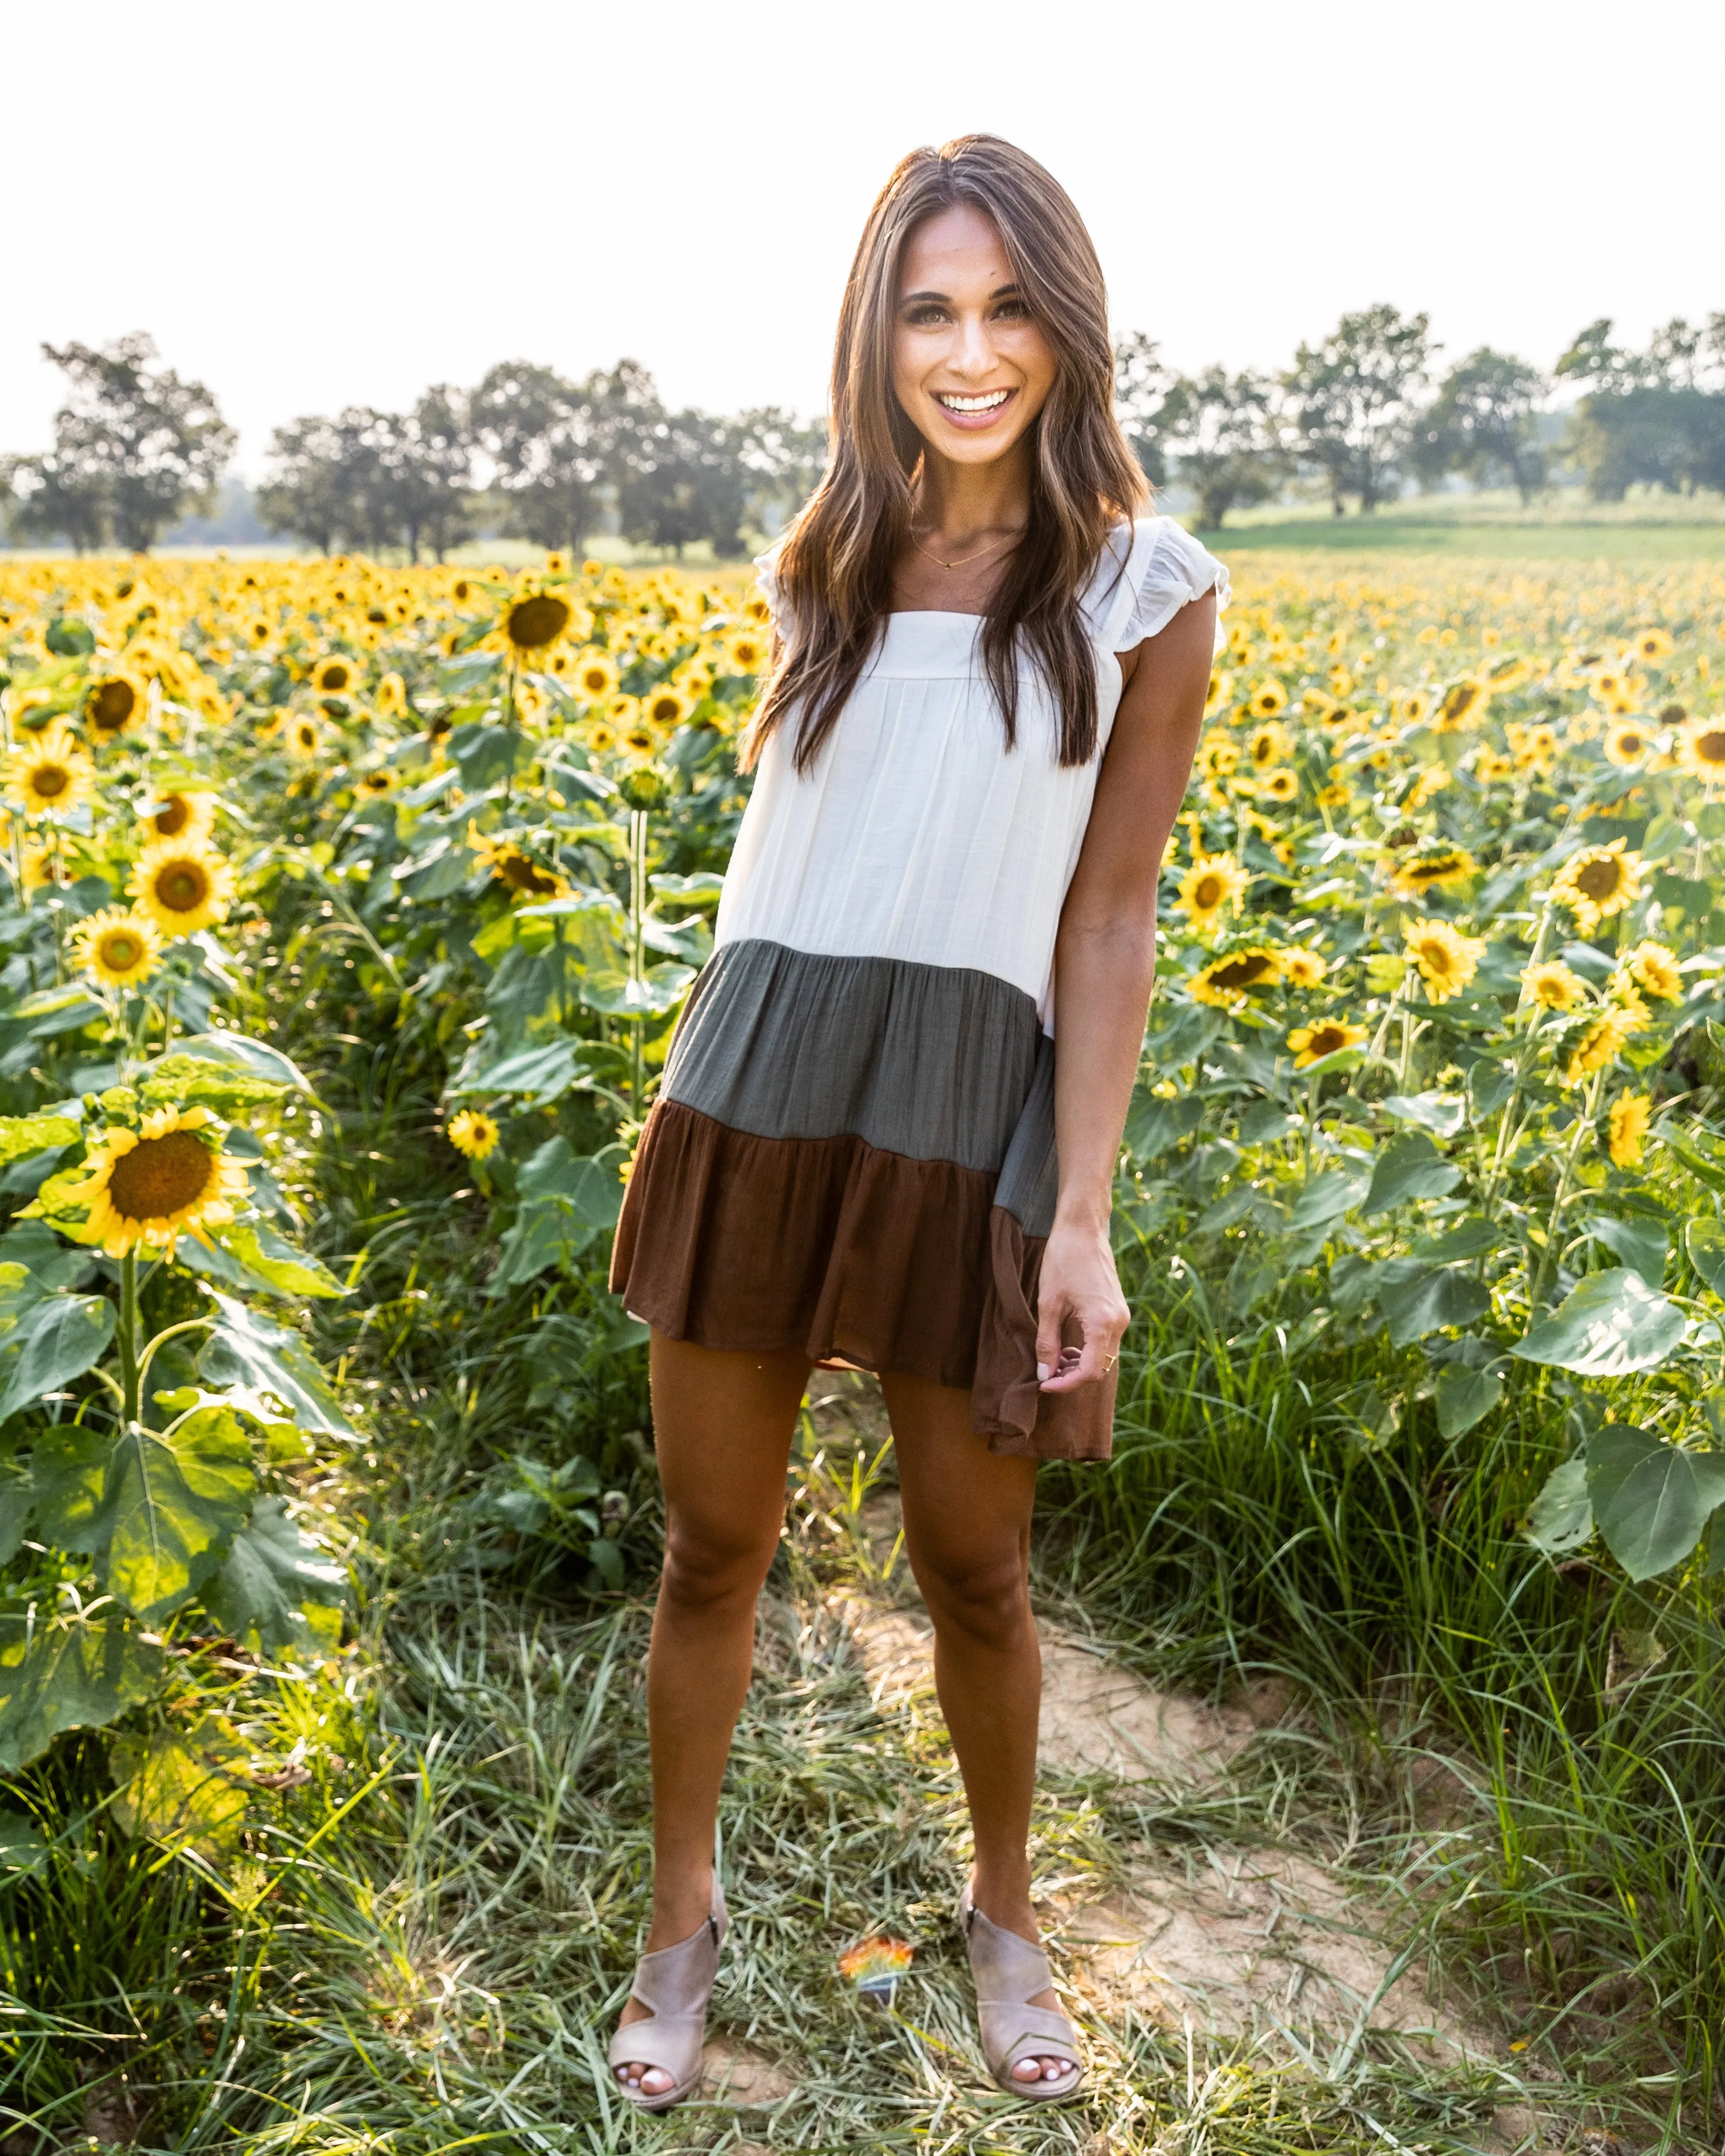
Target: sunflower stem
128, 1337
637, 914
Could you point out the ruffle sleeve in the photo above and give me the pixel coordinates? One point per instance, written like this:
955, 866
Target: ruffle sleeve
1167, 569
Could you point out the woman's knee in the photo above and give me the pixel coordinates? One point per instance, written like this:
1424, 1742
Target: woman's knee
706, 1566
983, 1592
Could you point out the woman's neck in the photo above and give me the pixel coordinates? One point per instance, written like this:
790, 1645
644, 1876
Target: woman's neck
960, 501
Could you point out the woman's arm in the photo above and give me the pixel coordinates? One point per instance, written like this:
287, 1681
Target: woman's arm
1105, 959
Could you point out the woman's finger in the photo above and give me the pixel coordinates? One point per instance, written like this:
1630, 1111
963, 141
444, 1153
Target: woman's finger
1051, 1309
1101, 1332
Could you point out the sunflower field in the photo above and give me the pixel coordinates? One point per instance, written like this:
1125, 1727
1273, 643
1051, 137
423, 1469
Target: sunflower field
346, 911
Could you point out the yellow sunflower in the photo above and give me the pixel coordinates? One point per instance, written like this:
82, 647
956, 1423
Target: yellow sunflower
1462, 704
1268, 701
599, 738
336, 676
1408, 707
1598, 1044
1598, 882
47, 773
1701, 746
1213, 881
1492, 768
1627, 1124
1627, 743
535, 620
1218, 755
664, 707
1278, 785
115, 704
189, 816
1650, 646
518, 872
183, 884
392, 698
747, 651
304, 737
45, 864
1653, 968
1431, 868
152, 1185
1553, 985
1312, 1044
1301, 968
1224, 983
1221, 689
119, 946
1333, 795
1269, 744
595, 676
472, 1131
1447, 959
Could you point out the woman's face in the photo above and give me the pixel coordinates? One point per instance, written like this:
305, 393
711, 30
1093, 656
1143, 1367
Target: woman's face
970, 365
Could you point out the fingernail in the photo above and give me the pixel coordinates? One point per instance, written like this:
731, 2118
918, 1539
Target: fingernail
1041, 1370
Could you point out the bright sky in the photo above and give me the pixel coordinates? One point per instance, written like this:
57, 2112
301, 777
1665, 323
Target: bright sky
342, 201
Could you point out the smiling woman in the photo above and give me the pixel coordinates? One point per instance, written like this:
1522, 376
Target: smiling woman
989, 677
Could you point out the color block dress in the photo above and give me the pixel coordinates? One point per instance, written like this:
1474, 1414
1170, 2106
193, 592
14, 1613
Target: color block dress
852, 1150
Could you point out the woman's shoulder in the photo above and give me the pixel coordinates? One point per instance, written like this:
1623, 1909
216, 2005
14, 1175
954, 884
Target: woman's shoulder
1150, 569
766, 577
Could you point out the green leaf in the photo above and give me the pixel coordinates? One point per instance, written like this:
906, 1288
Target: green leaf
1266, 1122
1442, 1113
1561, 1517
53, 1011
241, 1050
1326, 1198
271, 1571
568, 1202
1155, 1127
1651, 1499
21, 1136
1703, 1239
1702, 1166
662, 990
704, 888
188, 1081
171, 1501
1471, 1238
58, 1339
22, 1847
1465, 1396
260, 1362
18, 1490
546, 1071
1418, 1299
1610, 1324
184, 1786
1638, 1244
250, 1253
1409, 1167
68, 1466
34, 1245
69, 1674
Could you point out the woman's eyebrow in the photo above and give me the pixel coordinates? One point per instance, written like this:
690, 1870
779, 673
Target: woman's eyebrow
1000, 292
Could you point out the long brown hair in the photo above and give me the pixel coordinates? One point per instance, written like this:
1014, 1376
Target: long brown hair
834, 568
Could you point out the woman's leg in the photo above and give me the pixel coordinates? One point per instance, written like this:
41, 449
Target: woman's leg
967, 1535
722, 1425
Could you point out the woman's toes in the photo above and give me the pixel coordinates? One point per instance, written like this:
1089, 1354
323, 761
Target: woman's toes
1028, 2070
650, 2081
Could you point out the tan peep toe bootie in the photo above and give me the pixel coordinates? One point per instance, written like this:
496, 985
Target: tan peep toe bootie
1009, 1972
674, 1985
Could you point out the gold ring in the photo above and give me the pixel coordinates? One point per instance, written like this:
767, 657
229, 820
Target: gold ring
1109, 1364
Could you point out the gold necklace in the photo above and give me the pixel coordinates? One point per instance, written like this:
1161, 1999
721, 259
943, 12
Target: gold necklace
962, 559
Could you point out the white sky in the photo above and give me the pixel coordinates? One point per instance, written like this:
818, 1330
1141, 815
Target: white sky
322, 203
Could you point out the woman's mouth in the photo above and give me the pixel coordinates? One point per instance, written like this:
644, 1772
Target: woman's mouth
973, 409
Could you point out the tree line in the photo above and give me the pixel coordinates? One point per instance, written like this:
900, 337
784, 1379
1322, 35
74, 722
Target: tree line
530, 454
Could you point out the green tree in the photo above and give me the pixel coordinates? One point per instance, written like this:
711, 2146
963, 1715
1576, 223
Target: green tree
781, 462
1352, 401
135, 449
546, 448
1142, 387
1220, 435
1652, 419
319, 475
1484, 423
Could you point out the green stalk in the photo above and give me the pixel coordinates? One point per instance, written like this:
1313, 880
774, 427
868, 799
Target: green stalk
1585, 1115
128, 1338
637, 971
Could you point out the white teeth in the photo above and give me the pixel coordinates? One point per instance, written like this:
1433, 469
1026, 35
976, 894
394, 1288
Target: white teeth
976, 403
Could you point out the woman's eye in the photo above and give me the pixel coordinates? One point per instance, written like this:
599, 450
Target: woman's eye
926, 316
1011, 311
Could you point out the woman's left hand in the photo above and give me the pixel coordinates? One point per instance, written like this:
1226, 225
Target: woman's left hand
1078, 1290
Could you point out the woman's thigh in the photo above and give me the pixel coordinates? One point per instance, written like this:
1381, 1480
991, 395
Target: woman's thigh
723, 1424
966, 1510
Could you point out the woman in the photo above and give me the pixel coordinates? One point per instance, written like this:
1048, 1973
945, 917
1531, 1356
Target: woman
854, 1155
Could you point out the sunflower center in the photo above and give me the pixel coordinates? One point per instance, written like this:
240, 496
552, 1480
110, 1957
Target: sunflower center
111, 706
160, 1176
1208, 892
520, 875
665, 710
1436, 958
1599, 879
120, 950
334, 680
1326, 1040
1243, 973
533, 623
1710, 748
171, 819
48, 780
182, 886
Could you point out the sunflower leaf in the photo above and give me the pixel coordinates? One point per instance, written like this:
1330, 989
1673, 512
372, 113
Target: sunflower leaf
20, 1136
197, 1081
1561, 1517
1409, 1167
260, 1362
65, 1674
55, 1340
1704, 1239
1611, 1324
250, 1253
1651, 1499
271, 1571
171, 1501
